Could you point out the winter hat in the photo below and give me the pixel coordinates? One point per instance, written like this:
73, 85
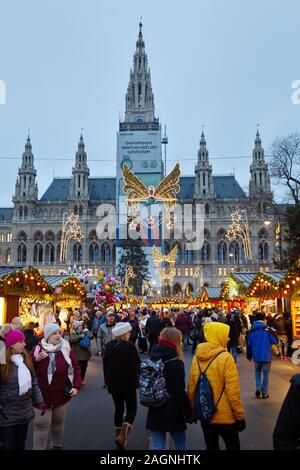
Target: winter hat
77, 323
110, 312
13, 337
120, 329
50, 329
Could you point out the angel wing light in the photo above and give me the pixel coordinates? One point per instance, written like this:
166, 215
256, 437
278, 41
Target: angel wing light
169, 258
136, 191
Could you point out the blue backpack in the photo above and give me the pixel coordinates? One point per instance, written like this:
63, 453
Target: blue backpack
205, 407
152, 382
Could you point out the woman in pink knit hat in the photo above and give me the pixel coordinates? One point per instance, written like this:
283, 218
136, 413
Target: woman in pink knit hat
18, 392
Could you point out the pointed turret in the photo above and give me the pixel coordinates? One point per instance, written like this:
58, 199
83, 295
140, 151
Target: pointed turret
139, 97
26, 186
204, 187
79, 187
260, 179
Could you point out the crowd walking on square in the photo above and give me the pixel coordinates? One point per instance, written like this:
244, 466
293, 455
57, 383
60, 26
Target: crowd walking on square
141, 352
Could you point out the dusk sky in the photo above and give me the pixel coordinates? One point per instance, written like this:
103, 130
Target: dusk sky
225, 65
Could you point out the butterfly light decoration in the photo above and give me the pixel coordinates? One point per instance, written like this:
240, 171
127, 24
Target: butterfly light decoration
136, 192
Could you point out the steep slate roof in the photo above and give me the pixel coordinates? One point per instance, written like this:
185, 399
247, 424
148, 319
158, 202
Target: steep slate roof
247, 278
105, 188
213, 292
58, 190
226, 187
6, 214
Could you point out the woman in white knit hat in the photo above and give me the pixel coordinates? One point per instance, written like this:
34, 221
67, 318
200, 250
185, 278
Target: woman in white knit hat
122, 362
59, 378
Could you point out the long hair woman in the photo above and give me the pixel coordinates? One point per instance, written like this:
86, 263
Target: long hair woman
122, 363
59, 378
172, 416
18, 392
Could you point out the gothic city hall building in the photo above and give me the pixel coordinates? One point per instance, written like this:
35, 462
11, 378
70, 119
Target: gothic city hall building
31, 230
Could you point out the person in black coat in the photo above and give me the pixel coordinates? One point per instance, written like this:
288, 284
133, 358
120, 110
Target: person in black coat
286, 435
170, 417
122, 373
152, 329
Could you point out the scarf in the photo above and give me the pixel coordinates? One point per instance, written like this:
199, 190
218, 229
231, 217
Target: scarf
51, 349
24, 375
169, 344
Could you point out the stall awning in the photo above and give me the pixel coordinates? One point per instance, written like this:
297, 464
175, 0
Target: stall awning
56, 281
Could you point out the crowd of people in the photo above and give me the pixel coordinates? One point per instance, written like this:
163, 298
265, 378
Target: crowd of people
39, 374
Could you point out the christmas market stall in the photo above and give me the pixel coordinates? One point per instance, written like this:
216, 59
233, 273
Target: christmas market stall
265, 289
210, 297
289, 287
68, 292
233, 292
23, 293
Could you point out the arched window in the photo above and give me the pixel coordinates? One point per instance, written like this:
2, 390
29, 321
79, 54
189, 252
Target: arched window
38, 236
75, 210
50, 237
263, 251
50, 253
113, 253
94, 253
177, 290
20, 211
77, 253
21, 253
38, 253
25, 211
263, 234
234, 252
80, 210
105, 253
22, 236
93, 235
222, 252
205, 252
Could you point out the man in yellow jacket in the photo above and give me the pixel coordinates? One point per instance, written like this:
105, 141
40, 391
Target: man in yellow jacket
223, 377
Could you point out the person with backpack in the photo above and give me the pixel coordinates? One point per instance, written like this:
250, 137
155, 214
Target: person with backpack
259, 348
162, 389
122, 371
80, 341
213, 368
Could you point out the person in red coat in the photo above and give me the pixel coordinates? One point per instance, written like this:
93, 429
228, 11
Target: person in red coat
182, 324
59, 378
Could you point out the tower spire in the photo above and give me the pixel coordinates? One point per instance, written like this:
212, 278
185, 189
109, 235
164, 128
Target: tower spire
203, 170
139, 97
260, 179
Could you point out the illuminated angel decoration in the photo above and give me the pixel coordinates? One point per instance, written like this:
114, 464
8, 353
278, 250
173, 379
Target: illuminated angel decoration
137, 192
169, 258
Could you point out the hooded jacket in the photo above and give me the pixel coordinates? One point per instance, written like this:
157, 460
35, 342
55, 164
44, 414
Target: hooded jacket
222, 373
259, 343
171, 416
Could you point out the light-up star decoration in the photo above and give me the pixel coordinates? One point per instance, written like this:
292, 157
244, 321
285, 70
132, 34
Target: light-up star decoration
137, 192
239, 228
